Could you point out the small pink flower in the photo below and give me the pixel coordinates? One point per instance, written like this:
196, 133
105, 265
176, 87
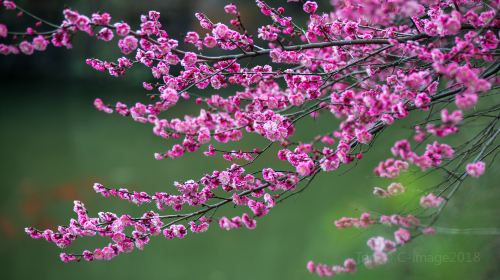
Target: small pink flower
122, 29
105, 34
422, 100
3, 30
402, 236
377, 244
390, 168
67, 258
83, 23
350, 265
128, 44
202, 227
466, 100
304, 168
258, 208
431, 201
70, 15
475, 169
40, 43
189, 60
192, 37
429, 231
88, 256
378, 258
100, 19
209, 42
231, 9
26, 48
395, 189
269, 200
169, 96
380, 192
9, 5
310, 266
310, 7
154, 15
99, 105
179, 231
363, 136
248, 222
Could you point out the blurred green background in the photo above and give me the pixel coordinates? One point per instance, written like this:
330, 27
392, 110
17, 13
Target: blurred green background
54, 145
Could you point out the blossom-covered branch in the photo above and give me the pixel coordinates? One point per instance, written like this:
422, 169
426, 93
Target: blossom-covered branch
368, 63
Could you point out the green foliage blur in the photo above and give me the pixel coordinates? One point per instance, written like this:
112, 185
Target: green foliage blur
54, 145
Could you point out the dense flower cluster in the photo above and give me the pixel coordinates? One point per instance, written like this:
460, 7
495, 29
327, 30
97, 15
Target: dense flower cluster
369, 63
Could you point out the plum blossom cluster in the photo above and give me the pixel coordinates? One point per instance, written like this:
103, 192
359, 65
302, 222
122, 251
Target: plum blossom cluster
380, 246
433, 156
449, 123
323, 270
365, 63
107, 225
